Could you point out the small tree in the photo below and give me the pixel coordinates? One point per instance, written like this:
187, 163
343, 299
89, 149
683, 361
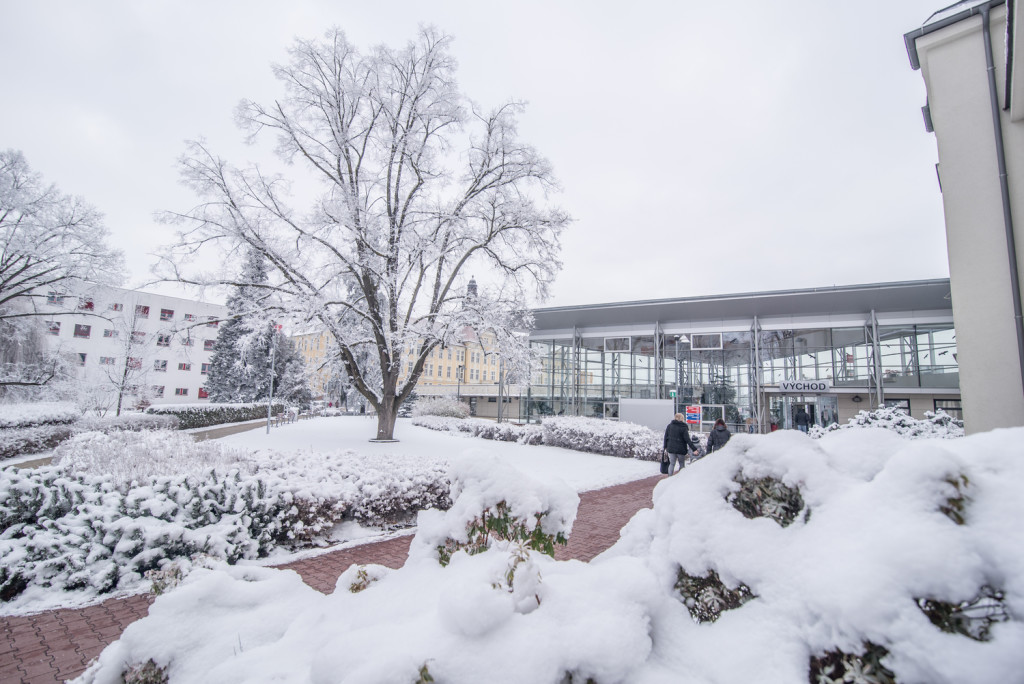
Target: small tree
417, 184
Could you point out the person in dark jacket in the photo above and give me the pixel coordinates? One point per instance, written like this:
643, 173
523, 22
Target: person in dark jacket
677, 442
802, 420
718, 436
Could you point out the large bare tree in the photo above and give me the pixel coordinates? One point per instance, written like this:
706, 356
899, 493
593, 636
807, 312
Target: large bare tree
49, 241
417, 185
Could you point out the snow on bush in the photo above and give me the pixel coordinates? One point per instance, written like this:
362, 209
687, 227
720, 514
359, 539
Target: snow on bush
33, 415
204, 415
871, 581
445, 407
599, 436
31, 440
116, 506
485, 429
938, 424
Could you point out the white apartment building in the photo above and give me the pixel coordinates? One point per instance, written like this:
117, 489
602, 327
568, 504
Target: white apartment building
161, 344
975, 82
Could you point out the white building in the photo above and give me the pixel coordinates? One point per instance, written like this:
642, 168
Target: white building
159, 347
975, 83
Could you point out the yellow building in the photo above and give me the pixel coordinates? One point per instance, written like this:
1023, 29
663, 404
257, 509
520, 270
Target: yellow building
314, 347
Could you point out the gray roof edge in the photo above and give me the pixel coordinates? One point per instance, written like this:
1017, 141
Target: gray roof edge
746, 295
929, 26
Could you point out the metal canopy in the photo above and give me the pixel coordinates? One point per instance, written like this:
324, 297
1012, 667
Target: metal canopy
909, 296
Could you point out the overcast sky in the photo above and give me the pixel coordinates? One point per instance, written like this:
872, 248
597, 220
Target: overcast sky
704, 148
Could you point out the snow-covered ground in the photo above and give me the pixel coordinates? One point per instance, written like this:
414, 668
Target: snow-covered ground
861, 557
114, 506
581, 471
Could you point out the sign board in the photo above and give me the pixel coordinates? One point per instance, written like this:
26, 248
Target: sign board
693, 414
805, 386
672, 394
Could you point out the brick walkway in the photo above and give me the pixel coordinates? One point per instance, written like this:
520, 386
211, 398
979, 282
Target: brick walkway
57, 645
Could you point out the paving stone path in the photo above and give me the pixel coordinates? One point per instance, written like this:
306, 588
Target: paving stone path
57, 645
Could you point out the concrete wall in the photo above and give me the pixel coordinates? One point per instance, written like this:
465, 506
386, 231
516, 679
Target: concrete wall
954, 70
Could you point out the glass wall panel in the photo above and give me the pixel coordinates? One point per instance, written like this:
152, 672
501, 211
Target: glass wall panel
851, 357
936, 351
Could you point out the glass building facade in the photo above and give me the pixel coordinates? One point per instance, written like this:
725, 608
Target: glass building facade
752, 359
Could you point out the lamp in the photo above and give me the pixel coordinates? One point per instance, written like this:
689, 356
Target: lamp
856, 399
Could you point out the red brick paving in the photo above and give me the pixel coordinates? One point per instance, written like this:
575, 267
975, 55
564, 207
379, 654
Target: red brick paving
57, 645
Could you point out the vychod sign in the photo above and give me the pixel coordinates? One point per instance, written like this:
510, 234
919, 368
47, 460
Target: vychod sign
816, 386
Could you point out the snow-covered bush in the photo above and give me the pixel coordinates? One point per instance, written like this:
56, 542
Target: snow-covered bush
938, 424
597, 436
33, 415
445, 407
31, 440
204, 415
877, 585
127, 421
485, 429
116, 506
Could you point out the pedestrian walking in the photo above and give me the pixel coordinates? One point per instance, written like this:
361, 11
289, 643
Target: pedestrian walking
718, 436
802, 420
677, 442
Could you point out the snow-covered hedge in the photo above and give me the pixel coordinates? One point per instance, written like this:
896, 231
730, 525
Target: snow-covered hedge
33, 415
599, 436
485, 429
31, 440
445, 407
116, 506
935, 425
782, 559
204, 415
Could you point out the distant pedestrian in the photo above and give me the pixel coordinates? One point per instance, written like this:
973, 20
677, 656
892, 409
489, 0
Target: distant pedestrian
750, 425
677, 442
718, 436
802, 420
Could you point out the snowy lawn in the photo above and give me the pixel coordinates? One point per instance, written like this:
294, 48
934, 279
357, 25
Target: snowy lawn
581, 471
860, 557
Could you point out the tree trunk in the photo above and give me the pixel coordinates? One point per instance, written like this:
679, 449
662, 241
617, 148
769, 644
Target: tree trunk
386, 415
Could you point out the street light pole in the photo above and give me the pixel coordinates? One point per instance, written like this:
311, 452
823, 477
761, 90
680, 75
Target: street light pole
270, 395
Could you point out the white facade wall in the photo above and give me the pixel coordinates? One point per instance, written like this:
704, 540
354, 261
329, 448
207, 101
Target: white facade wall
166, 358
954, 68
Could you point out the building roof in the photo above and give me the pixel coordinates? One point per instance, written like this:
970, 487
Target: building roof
921, 295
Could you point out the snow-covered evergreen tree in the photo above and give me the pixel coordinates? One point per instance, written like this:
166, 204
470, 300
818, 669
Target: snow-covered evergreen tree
240, 368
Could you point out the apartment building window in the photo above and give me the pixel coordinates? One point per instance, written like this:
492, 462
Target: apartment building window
160, 366
54, 298
134, 364
203, 394
187, 342
158, 391
85, 304
116, 307
410, 368
53, 327
492, 376
166, 314
81, 359
204, 369
212, 321
208, 345
190, 317
951, 406
448, 374
107, 361
181, 391
163, 340
141, 311
901, 404
449, 354
111, 333
184, 366
83, 331
138, 336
